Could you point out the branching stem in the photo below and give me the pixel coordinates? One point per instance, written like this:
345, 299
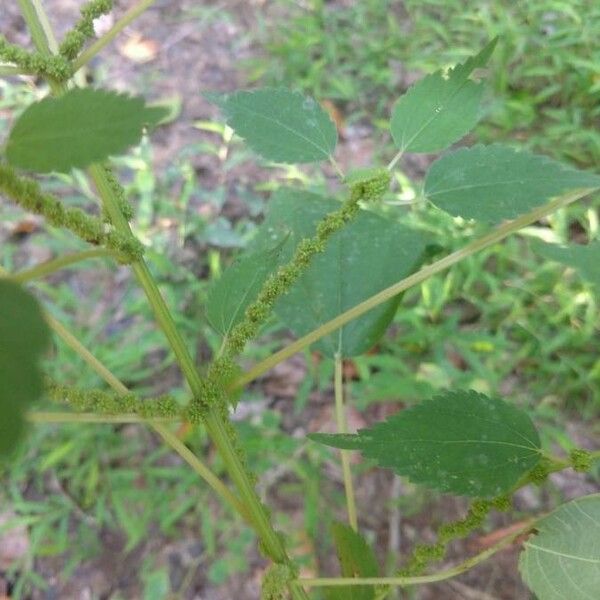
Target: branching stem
475, 246
213, 420
39, 26
199, 467
11, 70
408, 581
52, 266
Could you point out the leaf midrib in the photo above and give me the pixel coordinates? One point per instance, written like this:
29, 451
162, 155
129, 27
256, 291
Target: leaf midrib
594, 561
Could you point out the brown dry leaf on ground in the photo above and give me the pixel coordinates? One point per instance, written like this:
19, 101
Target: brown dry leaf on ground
486, 541
336, 116
139, 49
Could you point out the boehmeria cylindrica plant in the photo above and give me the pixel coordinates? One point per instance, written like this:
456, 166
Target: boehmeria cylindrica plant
332, 270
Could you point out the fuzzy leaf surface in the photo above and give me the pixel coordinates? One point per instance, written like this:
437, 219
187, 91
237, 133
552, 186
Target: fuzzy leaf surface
79, 128
357, 559
366, 256
439, 110
563, 559
494, 183
24, 336
460, 442
584, 259
280, 124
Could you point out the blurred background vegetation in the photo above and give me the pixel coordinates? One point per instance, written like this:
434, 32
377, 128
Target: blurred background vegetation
110, 499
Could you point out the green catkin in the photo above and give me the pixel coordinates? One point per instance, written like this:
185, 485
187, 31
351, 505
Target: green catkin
83, 30
119, 194
99, 401
365, 189
539, 474
223, 370
45, 65
425, 554
368, 186
581, 460
28, 194
275, 582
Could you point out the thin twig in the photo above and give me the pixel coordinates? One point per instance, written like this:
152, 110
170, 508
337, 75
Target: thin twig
435, 577
132, 14
342, 427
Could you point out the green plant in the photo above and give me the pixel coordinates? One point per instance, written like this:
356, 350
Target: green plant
544, 78
332, 271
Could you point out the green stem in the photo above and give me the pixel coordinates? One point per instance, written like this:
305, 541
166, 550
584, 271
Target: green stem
406, 581
213, 420
146, 280
10, 70
39, 26
395, 160
51, 266
342, 427
134, 12
337, 167
198, 466
172, 440
73, 342
475, 246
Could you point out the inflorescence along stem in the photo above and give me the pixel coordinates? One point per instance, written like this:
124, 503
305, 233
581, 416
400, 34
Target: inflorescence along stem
217, 426
473, 247
435, 577
214, 415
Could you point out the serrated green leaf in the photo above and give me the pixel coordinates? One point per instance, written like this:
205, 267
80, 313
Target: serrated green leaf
459, 442
439, 110
24, 336
280, 124
584, 259
238, 287
493, 183
369, 254
563, 559
76, 129
357, 559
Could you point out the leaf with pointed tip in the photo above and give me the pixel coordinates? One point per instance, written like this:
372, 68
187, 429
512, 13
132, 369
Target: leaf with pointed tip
562, 560
366, 256
493, 183
81, 127
459, 442
24, 336
439, 110
357, 559
280, 124
238, 287
584, 259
